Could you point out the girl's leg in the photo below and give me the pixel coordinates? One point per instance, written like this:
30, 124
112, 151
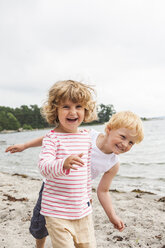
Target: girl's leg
71, 233
59, 232
84, 233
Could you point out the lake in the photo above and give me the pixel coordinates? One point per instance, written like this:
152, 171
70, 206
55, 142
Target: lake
141, 168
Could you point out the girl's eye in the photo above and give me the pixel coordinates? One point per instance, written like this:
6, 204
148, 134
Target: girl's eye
78, 106
131, 143
65, 107
123, 137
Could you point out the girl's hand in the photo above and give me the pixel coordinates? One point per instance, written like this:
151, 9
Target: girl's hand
118, 223
73, 160
15, 148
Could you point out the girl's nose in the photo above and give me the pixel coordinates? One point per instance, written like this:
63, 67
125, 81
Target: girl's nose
72, 110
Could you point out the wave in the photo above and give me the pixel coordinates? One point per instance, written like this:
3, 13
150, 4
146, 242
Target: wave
130, 177
142, 163
141, 178
161, 179
2, 142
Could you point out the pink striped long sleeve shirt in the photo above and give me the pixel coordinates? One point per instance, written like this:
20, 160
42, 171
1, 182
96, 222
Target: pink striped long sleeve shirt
66, 193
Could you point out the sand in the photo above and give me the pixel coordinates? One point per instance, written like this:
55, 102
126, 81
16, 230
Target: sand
143, 214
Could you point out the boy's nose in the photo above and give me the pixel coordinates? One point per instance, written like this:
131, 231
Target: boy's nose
125, 143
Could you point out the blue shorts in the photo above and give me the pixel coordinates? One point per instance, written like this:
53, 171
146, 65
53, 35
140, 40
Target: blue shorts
37, 226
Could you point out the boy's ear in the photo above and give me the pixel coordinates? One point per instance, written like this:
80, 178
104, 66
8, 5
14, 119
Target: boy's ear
108, 129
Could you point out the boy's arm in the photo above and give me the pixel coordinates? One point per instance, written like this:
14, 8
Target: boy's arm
22, 147
105, 198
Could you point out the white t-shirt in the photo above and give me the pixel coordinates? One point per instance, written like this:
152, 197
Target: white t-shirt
100, 162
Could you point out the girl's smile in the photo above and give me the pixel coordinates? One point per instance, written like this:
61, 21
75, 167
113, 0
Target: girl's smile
70, 116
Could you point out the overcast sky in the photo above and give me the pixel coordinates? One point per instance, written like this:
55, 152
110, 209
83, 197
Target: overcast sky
117, 46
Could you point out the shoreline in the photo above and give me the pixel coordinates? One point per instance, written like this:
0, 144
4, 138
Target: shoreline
136, 190
143, 214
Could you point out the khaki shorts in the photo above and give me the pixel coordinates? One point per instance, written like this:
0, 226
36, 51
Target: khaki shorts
71, 233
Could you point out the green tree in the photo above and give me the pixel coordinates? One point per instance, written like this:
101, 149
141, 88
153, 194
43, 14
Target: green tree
105, 112
38, 120
27, 127
3, 119
13, 123
8, 121
30, 116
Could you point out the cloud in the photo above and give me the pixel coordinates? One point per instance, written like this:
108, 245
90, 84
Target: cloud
116, 45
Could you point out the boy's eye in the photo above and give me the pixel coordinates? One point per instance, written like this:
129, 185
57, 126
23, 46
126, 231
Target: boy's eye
123, 137
131, 143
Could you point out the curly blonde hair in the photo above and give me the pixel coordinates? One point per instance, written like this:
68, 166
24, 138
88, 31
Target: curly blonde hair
127, 119
69, 90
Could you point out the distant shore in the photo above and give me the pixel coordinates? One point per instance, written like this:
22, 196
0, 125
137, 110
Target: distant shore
83, 124
46, 128
21, 130
142, 213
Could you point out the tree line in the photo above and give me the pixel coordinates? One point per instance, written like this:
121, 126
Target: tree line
29, 117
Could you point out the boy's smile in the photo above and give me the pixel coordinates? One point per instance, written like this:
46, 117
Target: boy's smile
121, 140
117, 141
70, 116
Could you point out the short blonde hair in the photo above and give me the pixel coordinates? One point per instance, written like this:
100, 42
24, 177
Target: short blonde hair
127, 119
73, 91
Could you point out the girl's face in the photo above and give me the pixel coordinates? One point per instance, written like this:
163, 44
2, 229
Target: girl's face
121, 140
70, 116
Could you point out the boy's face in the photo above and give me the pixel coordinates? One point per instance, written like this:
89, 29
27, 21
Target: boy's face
70, 116
121, 140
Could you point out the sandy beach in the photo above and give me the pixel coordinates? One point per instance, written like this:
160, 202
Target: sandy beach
143, 214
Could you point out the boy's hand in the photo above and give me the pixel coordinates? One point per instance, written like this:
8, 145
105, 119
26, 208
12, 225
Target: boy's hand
15, 148
73, 160
118, 223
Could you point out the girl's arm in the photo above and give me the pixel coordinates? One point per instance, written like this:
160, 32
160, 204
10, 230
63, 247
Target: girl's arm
52, 165
105, 198
22, 147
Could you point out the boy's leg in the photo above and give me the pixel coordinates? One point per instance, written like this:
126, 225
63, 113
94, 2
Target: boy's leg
40, 243
37, 225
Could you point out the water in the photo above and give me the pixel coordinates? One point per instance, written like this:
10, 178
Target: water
141, 168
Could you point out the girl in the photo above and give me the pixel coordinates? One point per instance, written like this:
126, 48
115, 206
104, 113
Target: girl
65, 162
123, 130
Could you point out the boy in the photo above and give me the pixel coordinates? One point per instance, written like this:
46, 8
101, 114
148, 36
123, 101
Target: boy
123, 130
